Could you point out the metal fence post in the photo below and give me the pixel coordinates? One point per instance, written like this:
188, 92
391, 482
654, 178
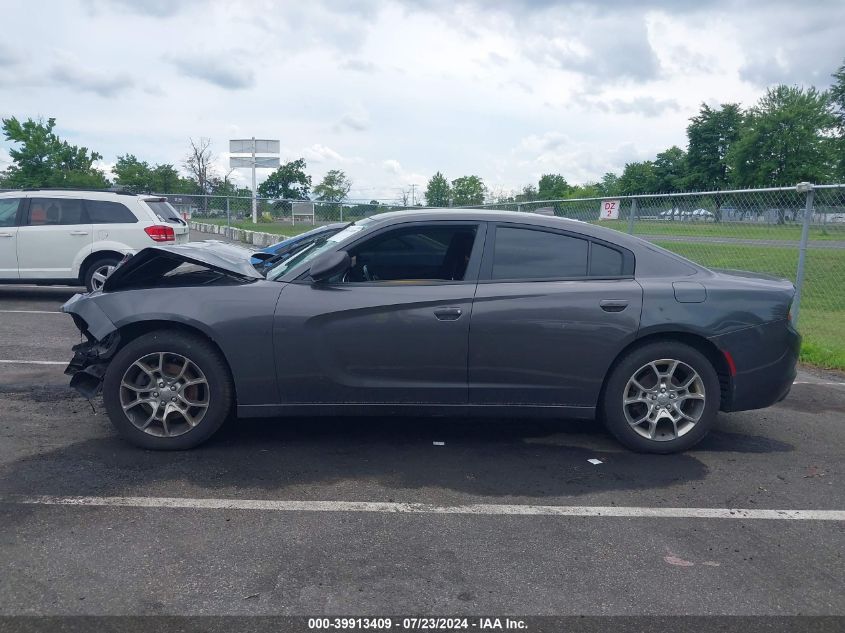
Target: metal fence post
802, 251
228, 221
631, 215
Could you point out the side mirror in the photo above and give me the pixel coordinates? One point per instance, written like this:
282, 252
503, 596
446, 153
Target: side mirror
329, 265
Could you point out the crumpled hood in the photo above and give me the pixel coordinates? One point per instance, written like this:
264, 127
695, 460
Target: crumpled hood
213, 254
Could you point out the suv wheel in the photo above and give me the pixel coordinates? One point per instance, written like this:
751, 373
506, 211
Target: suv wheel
167, 391
661, 398
98, 271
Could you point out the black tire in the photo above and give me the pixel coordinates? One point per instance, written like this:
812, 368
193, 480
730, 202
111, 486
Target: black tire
203, 355
611, 405
94, 266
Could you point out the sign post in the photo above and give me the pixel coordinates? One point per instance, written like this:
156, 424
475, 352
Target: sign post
253, 146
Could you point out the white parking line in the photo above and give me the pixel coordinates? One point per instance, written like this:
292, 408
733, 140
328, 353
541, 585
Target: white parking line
814, 382
33, 362
423, 508
31, 312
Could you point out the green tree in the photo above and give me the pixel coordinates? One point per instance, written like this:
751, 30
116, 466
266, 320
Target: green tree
710, 135
788, 137
837, 95
670, 169
587, 190
437, 192
609, 185
528, 194
288, 182
334, 187
468, 190
552, 187
132, 174
165, 179
637, 178
42, 159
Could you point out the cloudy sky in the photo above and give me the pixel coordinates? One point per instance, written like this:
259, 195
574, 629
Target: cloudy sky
391, 92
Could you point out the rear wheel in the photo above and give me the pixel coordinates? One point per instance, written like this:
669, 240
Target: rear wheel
661, 398
167, 391
98, 271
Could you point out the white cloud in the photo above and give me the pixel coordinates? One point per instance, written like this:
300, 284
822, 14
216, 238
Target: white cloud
318, 153
392, 92
216, 69
79, 76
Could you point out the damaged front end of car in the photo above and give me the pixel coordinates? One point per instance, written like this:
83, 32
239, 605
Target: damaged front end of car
135, 292
92, 356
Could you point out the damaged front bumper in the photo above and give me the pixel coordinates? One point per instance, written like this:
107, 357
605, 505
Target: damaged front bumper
92, 356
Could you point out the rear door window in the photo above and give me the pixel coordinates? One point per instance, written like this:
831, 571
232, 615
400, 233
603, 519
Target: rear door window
108, 212
9, 211
530, 254
55, 212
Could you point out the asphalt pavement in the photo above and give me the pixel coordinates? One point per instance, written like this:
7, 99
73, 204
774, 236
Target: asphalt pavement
370, 516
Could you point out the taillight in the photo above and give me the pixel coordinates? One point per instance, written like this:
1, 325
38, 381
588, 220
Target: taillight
161, 233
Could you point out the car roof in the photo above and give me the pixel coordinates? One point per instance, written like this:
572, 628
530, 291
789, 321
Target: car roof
518, 217
652, 260
89, 194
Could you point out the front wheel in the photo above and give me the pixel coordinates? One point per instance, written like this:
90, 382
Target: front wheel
661, 398
167, 391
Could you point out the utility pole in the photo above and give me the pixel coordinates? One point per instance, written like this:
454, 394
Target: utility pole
413, 194
254, 192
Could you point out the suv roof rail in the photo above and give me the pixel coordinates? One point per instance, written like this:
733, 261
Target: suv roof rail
120, 192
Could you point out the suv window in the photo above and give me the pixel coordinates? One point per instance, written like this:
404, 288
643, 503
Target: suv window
9, 211
107, 212
55, 211
425, 253
164, 211
530, 254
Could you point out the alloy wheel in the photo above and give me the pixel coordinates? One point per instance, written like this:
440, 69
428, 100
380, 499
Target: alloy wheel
664, 399
100, 274
164, 394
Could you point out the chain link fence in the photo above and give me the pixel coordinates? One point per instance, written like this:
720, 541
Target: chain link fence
793, 232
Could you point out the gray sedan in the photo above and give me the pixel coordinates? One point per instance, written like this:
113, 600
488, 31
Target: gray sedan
453, 312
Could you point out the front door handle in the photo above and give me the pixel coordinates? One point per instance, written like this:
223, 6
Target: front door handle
79, 232
613, 305
6, 235
448, 314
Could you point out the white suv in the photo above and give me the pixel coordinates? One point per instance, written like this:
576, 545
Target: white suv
57, 236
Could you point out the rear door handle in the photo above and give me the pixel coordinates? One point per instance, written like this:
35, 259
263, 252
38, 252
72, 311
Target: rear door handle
613, 305
6, 235
448, 314
79, 232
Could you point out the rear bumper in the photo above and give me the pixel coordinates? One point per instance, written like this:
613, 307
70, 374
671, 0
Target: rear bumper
766, 359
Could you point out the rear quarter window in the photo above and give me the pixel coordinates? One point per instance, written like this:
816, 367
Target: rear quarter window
107, 212
605, 261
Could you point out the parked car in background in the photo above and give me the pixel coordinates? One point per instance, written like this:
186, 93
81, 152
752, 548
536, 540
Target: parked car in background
443, 312
686, 214
69, 237
279, 252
